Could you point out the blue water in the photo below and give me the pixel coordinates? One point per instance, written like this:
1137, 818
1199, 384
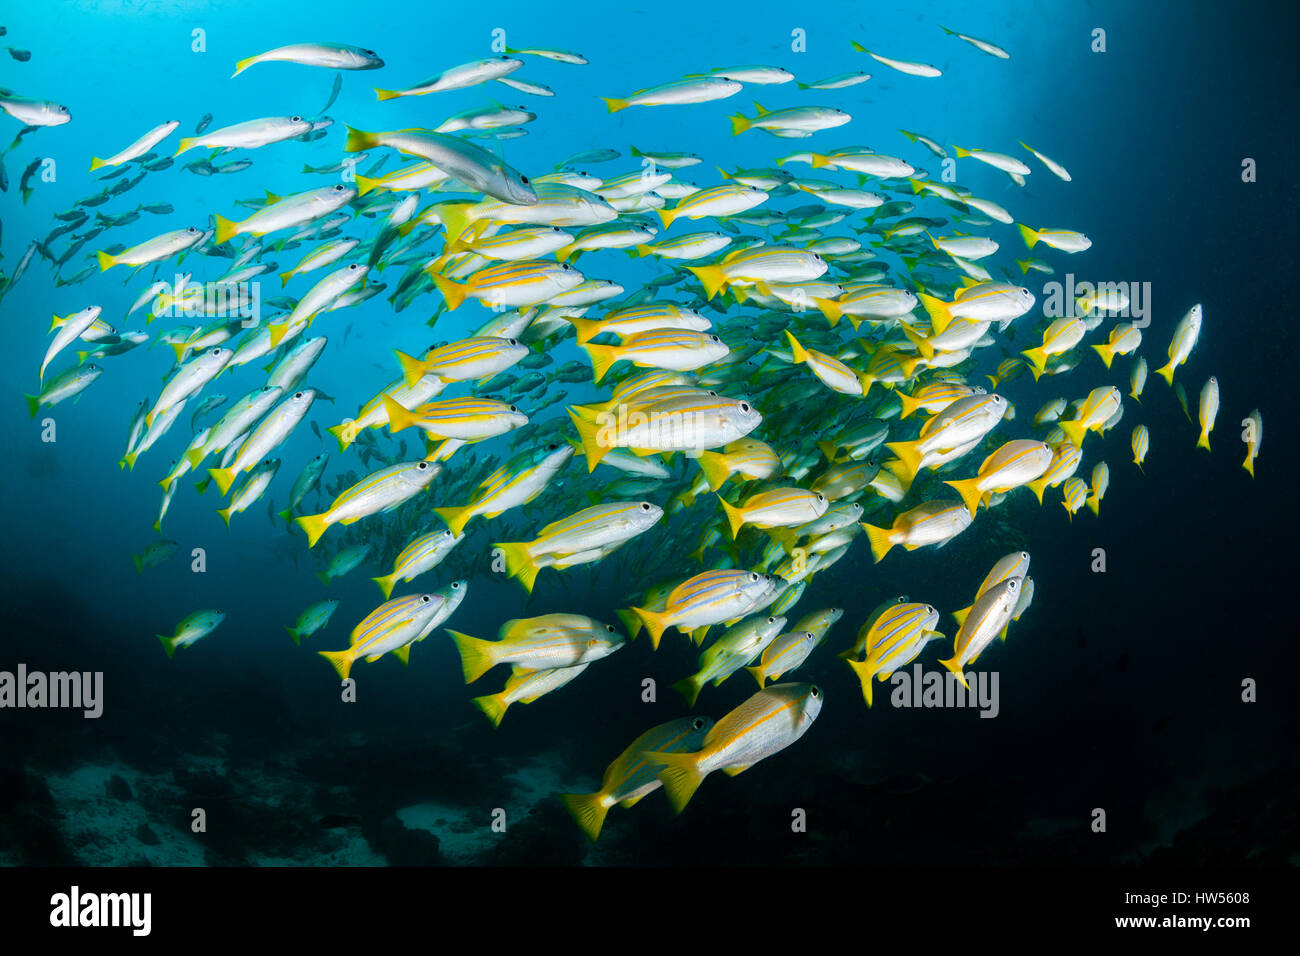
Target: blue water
1119, 690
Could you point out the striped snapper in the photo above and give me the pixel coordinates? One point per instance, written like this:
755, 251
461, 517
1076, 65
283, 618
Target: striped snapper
768, 722
931, 522
988, 617
423, 554
729, 653
709, 598
538, 643
894, 640
269, 433
631, 776
593, 529
381, 491
477, 357
515, 483
395, 625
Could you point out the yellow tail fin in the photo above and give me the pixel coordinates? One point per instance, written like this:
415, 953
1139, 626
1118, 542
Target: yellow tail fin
716, 468
909, 453
970, 493
412, 368
955, 668
711, 277
1167, 373
169, 644
224, 477
735, 517
359, 140
1030, 236
865, 672
681, 776
341, 661
602, 357
655, 622
455, 518
1107, 353
105, 261
614, 103
243, 65
475, 655
399, 417
880, 539
226, 230
589, 433
96, 163
314, 525
830, 308
386, 584
519, 563
739, 124
940, 312
453, 292
493, 706
588, 811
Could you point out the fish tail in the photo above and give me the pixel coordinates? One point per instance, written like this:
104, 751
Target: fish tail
343, 434
588, 811
1029, 235
711, 277
293, 632
909, 453
666, 216
455, 518
1024, 266
908, 403
96, 163
961, 153
756, 672
169, 644
1037, 358
602, 357
493, 707
382, 95
475, 655
453, 292
519, 562
589, 433
187, 142
226, 230
1038, 486
630, 621
740, 123
242, 65
960, 616
286, 515
386, 584
359, 140
1107, 353
940, 312
399, 417
106, 261
880, 539
689, 687
830, 308
341, 661
818, 161
33, 404
284, 278
681, 776
585, 328
735, 517
1074, 431
365, 184
614, 103
313, 525
655, 623
715, 467
224, 477
956, 668
412, 369
797, 351
1248, 464
864, 672
1094, 504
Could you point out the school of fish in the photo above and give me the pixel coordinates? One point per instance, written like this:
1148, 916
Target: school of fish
729, 426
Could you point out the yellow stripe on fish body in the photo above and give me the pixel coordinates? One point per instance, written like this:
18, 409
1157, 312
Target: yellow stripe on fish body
768, 722
477, 357
777, 508
931, 522
1095, 411
538, 643
467, 419
1140, 442
1015, 463
381, 491
1058, 338
988, 617
706, 599
893, 641
592, 529
679, 350
631, 775
1076, 493
1208, 409
1013, 565
1186, 334
1066, 457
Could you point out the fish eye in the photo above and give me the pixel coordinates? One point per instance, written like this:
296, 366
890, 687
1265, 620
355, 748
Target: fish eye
553, 446
1024, 555
523, 179
191, 230
512, 341
513, 408
698, 723
503, 57
422, 465
820, 496
610, 628
455, 585
339, 188
215, 352
753, 577
744, 406
771, 620
1012, 585
1024, 291
646, 506
714, 338
354, 267
424, 599
814, 691
295, 119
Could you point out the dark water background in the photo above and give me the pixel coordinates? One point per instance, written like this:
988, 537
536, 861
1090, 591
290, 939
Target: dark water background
1118, 690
